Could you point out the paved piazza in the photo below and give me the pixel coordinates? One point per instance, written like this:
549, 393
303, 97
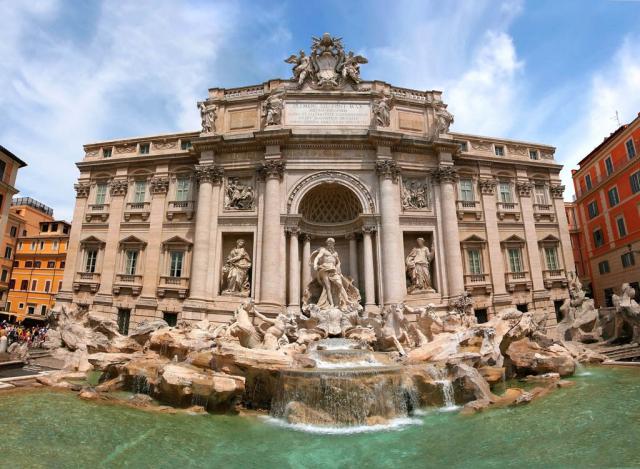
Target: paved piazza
187, 226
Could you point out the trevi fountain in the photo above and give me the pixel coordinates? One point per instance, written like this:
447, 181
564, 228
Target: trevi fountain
342, 377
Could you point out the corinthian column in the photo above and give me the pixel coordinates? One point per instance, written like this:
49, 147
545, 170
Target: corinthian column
369, 279
446, 175
306, 257
394, 284
271, 290
205, 175
294, 268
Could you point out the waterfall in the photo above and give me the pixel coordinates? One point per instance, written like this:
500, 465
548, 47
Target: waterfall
141, 385
441, 377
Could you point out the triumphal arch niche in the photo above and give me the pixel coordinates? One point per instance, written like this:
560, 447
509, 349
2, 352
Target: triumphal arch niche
323, 189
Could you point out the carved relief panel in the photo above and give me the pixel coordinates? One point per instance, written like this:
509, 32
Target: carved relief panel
416, 193
239, 193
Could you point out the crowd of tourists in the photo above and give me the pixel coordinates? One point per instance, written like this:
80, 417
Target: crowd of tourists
33, 336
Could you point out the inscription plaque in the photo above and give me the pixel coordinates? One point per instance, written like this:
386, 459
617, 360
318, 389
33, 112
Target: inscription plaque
327, 114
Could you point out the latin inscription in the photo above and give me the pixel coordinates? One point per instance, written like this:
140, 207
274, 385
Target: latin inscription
327, 114
410, 121
244, 119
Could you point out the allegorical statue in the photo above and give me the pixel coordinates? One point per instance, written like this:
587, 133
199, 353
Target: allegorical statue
238, 196
302, 66
337, 291
415, 194
236, 268
351, 66
272, 110
444, 119
418, 267
208, 117
382, 111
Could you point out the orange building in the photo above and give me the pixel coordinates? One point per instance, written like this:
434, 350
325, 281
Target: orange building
607, 186
37, 270
9, 165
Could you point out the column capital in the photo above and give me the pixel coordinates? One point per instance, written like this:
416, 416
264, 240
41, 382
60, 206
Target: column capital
82, 190
209, 173
557, 191
292, 230
271, 169
369, 229
351, 236
118, 187
159, 185
444, 174
388, 169
306, 237
487, 186
524, 188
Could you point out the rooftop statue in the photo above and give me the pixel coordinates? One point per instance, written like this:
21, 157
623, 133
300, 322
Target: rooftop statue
328, 66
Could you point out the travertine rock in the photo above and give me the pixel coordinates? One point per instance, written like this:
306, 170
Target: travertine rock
528, 357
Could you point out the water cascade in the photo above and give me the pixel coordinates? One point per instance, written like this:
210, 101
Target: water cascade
441, 377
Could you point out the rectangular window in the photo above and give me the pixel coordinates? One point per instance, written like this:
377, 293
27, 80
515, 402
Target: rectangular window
144, 148
475, 261
627, 259
43, 310
634, 180
124, 316
170, 318
603, 267
608, 164
12, 284
593, 209
16, 263
31, 309
505, 192
631, 149
175, 266
587, 181
51, 265
47, 286
182, 189
598, 238
28, 264
131, 261
62, 264
515, 260
139, 190
551, 256
24, 285
90, 261
185, 144
613, 197
466, 190
5, 274
622, 227
106, 152
498, 150
60, 285
13, 231
541, 194
20, 245
41, 245
101, 193
533, 154
34, 285
54, 227
7, 252
37, 264
54, 245
45, 227
3, 166
33, 245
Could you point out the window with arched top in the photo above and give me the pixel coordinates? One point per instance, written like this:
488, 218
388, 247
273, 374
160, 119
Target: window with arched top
330, 203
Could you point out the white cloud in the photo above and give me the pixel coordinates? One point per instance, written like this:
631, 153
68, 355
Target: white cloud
141, 69
615, 87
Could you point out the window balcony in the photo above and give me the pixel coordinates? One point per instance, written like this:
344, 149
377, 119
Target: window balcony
517, 279
543, 210
177, 285
137, 209
554, 277
468, 206
508, 208
90, 280
128, 282
97, 211
181, 207
478, 282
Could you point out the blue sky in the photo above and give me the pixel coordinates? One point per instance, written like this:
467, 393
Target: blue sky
75, 72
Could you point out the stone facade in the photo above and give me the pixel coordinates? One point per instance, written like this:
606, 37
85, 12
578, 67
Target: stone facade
288, 163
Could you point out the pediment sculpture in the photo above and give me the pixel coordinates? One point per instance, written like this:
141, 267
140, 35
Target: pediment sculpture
328, 66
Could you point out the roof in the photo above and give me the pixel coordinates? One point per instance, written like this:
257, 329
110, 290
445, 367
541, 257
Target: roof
33, 203
607, 140
12, 156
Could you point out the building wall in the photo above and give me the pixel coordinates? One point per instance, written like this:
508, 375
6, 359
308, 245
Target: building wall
627, 208
49, 249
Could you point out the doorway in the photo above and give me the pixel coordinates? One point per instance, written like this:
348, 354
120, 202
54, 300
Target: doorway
124, 316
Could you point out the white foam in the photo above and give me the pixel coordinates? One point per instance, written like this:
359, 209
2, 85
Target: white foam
393, 425
354, 364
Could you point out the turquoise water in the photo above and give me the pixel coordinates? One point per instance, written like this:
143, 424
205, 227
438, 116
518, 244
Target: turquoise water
594, 424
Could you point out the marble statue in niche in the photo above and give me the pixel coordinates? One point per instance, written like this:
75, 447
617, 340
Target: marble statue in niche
444, 119
382, 111
272, 109
419, 268
208, 117
236, 271
415, 194
238, 196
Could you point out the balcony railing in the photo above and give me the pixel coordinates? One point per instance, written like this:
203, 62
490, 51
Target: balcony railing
127, 278
553, 273
542, 207
475, 278
89, 276
185, 207
99, 207
554, 276
141, 209
100, 211
512, 279
180, 285
128, 282
468, 206
89, 280
508, 208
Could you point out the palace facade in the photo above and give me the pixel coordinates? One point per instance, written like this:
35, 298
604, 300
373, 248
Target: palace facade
186, 226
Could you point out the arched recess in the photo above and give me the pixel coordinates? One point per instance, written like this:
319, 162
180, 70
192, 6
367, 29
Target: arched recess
352, 183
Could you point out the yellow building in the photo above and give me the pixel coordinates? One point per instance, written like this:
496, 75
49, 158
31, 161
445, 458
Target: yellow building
37, 270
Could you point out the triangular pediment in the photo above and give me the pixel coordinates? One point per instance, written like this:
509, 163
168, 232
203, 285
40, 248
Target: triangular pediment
474, 239
513, 239
176, 241
549, 239
133, 240
92, 240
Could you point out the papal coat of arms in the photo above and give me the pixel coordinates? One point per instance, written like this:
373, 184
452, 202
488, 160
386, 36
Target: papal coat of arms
328, 66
